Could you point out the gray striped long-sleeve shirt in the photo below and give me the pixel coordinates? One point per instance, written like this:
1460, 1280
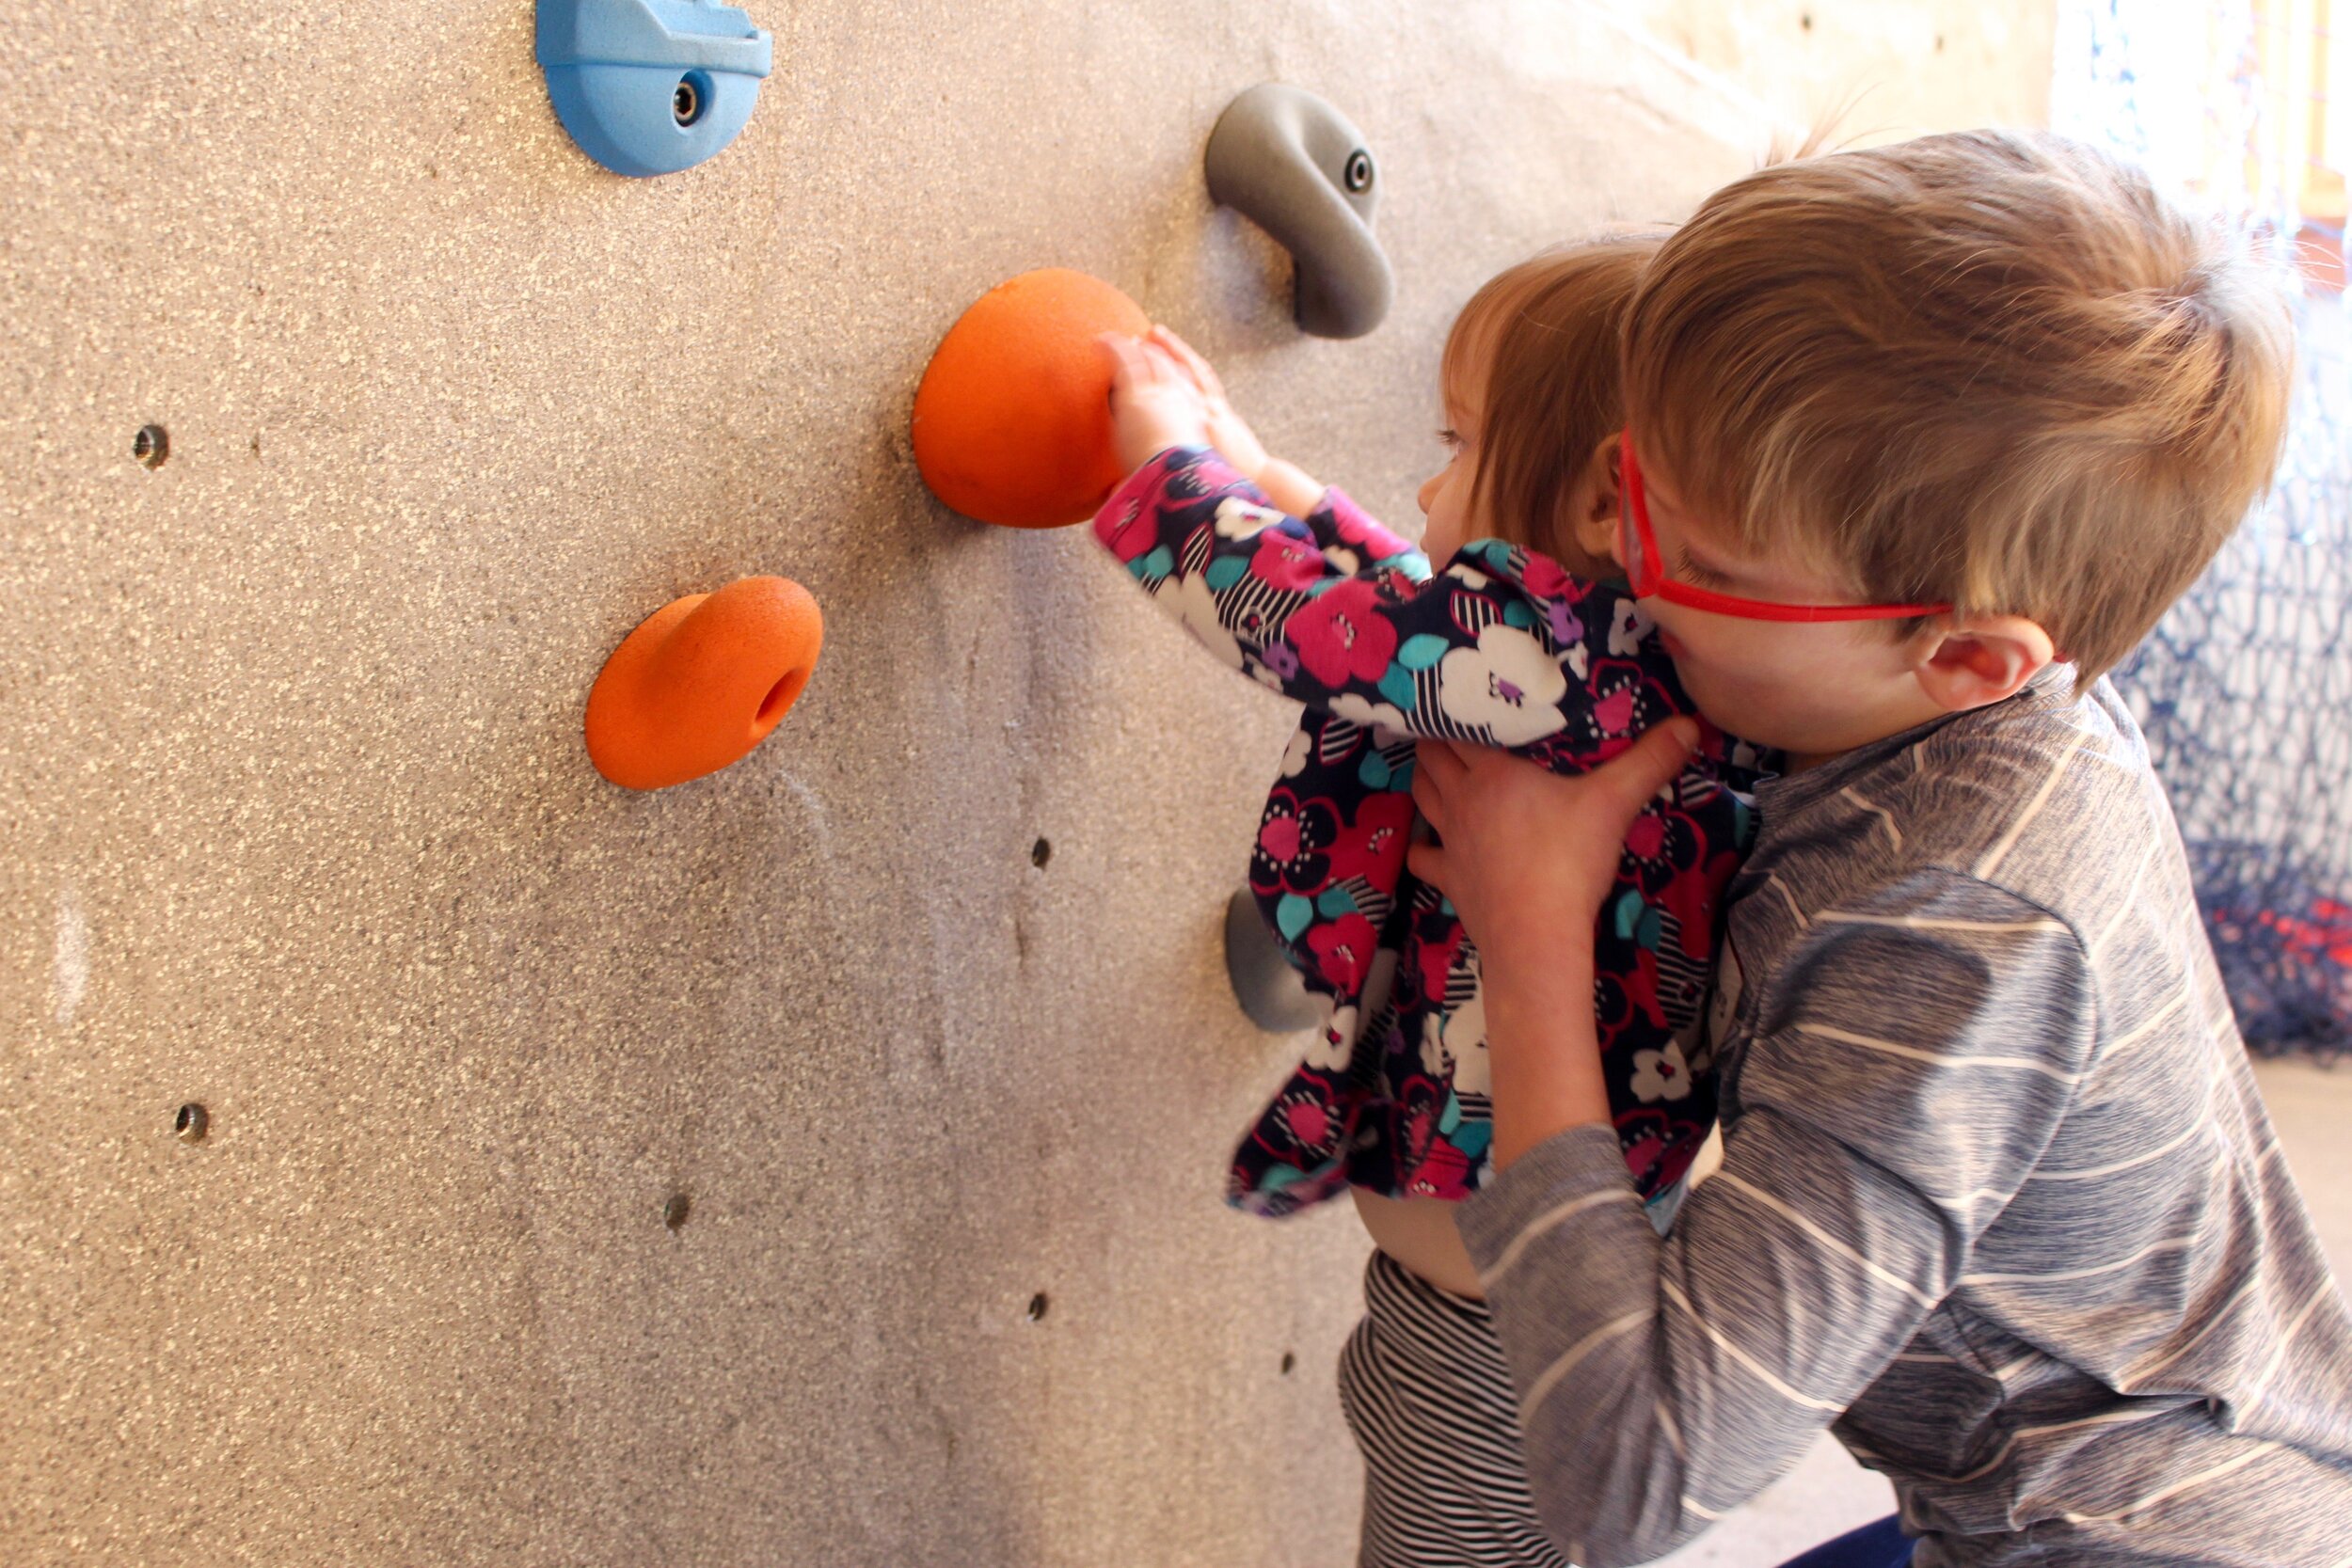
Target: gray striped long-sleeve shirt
1998, 1202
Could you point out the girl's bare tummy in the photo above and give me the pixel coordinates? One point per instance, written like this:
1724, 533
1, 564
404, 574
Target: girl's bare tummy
1419, 1233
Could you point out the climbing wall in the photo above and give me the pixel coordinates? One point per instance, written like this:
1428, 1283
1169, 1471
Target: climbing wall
814, 1163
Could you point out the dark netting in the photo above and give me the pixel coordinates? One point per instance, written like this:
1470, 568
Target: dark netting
2245, 694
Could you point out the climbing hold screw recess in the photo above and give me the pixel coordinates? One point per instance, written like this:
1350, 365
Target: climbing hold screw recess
192, 1122
651, 86
151, 444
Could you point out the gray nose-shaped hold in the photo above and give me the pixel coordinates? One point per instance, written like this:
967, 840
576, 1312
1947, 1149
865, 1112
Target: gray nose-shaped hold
1266, 985
1293, 164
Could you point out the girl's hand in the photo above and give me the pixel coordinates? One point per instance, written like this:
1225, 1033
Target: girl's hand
1155, 404
1530, 854
1229, 433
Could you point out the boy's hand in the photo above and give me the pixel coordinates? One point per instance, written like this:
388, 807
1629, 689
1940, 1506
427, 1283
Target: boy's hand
1155, 404
1530, 855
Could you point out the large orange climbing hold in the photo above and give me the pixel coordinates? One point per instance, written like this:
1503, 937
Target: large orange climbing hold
1012, 422
701, 681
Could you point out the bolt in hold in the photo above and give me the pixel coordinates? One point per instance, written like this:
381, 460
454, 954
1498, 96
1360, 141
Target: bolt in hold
151, 444
686, 100
674, 1211
191, 1124
1360, 171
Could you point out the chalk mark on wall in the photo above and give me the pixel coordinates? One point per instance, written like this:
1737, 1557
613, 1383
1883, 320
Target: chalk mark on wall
70, 974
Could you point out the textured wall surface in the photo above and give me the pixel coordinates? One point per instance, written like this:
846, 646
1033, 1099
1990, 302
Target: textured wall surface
299, 825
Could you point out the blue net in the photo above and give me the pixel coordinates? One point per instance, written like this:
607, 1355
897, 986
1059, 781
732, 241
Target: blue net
2245, 694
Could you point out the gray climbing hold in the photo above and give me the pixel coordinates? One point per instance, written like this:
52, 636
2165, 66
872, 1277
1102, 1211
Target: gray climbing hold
1293, 164
1266, 985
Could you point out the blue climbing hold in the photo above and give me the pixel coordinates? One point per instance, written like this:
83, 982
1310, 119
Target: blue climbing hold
651, 86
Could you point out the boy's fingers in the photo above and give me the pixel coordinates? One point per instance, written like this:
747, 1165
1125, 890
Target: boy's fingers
1435, 766
1645, 767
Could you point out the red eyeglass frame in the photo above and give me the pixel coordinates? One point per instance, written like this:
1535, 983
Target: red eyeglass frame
1646, 574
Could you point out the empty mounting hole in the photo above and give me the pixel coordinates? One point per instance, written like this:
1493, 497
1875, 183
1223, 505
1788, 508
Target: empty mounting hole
151, 444
1359, 171
780, 697
686, 99
1038, 1304
1039, 853
1290, 1363
1806, 21
674, 1211
191, 1123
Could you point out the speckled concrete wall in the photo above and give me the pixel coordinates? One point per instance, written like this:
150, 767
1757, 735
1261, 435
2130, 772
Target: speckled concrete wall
299, 826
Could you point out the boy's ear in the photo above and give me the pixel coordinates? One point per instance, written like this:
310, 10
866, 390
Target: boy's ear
1975, 660
1595, 525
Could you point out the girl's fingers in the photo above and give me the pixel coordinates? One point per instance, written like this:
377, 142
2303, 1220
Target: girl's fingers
1204, 373
1426, 861
1125, 358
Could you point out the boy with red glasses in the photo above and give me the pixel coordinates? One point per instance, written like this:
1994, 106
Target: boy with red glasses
1999, 1205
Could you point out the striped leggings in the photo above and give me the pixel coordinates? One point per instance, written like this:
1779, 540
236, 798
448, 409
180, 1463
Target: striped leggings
1426, 1390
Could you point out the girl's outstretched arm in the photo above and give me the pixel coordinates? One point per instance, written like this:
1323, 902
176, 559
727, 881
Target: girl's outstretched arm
1338, 612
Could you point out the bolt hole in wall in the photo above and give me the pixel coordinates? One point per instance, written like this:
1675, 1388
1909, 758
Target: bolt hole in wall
151, 444
674, 1211
1039, 853
1290, 1362
190, 1123
1038, 1306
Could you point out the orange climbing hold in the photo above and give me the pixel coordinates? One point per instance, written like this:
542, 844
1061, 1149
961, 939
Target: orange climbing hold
1012, 422
701, 681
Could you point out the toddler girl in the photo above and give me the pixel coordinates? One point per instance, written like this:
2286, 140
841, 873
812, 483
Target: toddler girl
1512, 643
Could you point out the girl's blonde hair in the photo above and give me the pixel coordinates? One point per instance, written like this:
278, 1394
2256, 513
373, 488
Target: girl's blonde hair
1994, 369
1548, 330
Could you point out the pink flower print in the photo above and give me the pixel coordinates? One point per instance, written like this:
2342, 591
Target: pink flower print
1294, 838
1354, 527
1131, 531
1373, 846
1286, 562
1311, 1120
1344, 950
1443, 1174
1614, 713
1340, 636
1545, 577
1647, 836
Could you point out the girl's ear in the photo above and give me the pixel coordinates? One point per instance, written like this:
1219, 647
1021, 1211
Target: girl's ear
1593, 517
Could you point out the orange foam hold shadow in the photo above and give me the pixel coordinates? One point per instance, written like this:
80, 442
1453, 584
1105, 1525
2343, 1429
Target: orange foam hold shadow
1012, 422
701, 681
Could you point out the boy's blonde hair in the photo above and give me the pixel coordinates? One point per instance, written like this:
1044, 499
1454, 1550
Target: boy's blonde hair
1549, 330
1994, 369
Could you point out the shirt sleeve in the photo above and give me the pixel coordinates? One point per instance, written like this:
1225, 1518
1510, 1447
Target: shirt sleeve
1910, 1061
1335, 611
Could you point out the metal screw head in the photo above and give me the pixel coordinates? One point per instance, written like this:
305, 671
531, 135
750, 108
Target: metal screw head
151, 444
1358, 175
192, 1122
1039, 853
1038, 1304
674, 1211
686, 100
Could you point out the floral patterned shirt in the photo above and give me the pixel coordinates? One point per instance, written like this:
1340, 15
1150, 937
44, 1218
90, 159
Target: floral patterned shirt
1502, 648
